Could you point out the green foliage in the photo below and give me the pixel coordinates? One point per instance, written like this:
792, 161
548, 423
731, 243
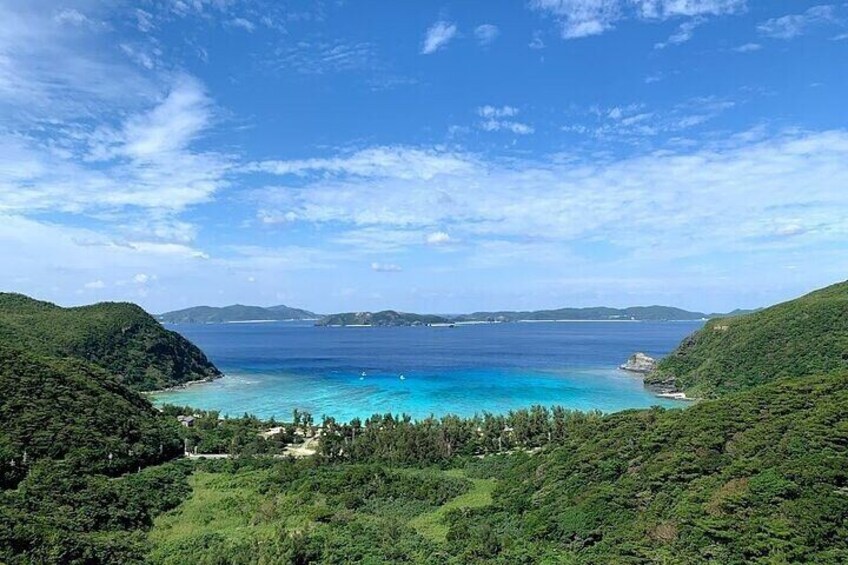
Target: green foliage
755, 477
59, 515
120, 338
70, 410
759, 475
244, 436
805, 336
295, 512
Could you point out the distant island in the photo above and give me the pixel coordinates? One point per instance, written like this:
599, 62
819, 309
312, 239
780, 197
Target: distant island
241, 313
598, 314
384, 318
235, 313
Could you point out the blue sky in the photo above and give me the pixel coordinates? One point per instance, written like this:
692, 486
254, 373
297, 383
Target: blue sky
438, 157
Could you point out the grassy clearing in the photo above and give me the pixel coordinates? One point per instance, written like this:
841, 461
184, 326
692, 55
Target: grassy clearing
431, 525
225, 507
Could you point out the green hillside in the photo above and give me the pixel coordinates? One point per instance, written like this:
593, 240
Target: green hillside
234, 313
759, 476
70, 410
808, 335
120, 338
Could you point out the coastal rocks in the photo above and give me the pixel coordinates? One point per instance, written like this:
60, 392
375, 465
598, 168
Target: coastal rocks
639, 363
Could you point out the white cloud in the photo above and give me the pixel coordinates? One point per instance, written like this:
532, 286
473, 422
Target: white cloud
636, 124
70, 16
494, 112
146, 162
438, 238
144, 20
793, 25
748, 48
438, 36
94, 285
386, 267
536, 42
712, 198
583, 18
683, 34
57, 66
322, 57
486, 34
242, 23
376, 161
493, 120
175, 249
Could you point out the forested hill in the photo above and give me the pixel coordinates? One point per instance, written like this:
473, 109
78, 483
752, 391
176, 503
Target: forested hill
235, 313
804, 336
384, 318
120, 338
69, 410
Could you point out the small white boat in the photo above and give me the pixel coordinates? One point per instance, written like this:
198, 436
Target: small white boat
402, 378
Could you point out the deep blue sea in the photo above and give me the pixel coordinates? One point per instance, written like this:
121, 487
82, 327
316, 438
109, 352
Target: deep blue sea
272, 368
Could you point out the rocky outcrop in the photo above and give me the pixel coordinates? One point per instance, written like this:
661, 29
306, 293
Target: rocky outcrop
639, 363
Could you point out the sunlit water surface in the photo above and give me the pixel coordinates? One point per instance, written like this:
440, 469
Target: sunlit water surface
272, 368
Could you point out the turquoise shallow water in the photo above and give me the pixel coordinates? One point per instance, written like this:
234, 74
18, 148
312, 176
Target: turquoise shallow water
273, 368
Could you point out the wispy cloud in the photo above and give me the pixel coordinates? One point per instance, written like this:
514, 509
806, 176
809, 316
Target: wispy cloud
386, 267
683, 34
583, 18
486, 34
794, 25
438, 36
637, 123
243, 24
386, 161
146, 162
502, 119
321, 57
735, 197
438, 238
748, 47
536, 42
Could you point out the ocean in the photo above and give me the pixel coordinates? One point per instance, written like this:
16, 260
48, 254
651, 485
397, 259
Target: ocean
273, 368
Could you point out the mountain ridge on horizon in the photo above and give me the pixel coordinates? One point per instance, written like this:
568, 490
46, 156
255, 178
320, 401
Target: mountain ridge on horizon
242, 313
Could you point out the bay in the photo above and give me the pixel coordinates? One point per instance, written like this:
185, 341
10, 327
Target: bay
273, 368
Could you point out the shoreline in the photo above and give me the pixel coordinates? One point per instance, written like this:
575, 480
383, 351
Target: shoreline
678, 397
182, 386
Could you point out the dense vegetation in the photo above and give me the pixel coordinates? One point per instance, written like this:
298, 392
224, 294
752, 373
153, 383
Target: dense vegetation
384, 318
69, 410
757, 476
296, 512
120, 338
234, 313
808, 335
243, 436
63, 516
